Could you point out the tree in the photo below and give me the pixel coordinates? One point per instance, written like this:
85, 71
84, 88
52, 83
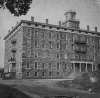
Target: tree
16, 7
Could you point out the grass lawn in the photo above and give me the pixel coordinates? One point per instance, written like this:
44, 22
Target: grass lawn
45, 87
9, 92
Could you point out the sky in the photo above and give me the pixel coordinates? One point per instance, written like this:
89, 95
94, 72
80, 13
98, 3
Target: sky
87, 11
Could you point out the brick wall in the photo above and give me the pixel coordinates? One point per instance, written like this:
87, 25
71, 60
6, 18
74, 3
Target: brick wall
43, 46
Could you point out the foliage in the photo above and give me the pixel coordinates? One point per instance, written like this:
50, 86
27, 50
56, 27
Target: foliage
96, 85
2, 3
16, 7
83, 81
86, 84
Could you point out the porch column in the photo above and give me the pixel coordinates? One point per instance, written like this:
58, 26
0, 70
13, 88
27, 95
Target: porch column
80, 66
74, 66
92, 66
86, 67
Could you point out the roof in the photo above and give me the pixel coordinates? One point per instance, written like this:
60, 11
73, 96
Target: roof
48, 25
70, 11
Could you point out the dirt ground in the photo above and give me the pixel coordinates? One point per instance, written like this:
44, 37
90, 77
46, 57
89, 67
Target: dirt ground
38, 88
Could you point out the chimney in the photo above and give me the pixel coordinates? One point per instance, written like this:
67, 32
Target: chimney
32, 18
12, 27
95, 29
59, 23
46, 21
88, 27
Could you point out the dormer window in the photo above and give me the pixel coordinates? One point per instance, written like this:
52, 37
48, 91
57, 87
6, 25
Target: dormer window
13, 42
36, 25
65, 29
79, 31
43, 26
72, 30
13, 50
58, 28
50, 27
29, 23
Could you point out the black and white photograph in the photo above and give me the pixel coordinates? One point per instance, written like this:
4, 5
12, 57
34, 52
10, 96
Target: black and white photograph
49, 48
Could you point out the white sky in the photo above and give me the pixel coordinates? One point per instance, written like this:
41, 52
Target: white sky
88, 12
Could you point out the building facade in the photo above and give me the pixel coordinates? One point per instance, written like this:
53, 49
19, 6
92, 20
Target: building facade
43, 50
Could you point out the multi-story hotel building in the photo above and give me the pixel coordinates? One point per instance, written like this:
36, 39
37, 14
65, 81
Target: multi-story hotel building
43, 50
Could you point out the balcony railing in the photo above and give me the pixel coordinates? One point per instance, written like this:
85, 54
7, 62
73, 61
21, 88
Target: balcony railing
81, 59
13, 50
80, 50
12, 60
80, 41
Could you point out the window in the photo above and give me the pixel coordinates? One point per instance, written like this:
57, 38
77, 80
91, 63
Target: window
36, 65
36, 74
94, 49
92, 40
43, 34
72, 65
43, 44
43, 74
87, 40
50, 45
36, 33
28, 53
28, 65
50, 35
43, 66
65, 46
28, 74
65, 66
90, 58
99, 41
76, 57
58, 36
13, 42
50, 55
58, 55
50, 73
36, 54
58, 66
58, 73
72, 38
44, 55
83, 57
58, 45
66, 37
72, 47
36, 43
65, 56
98, 49
93, 67
50, 65
93, 58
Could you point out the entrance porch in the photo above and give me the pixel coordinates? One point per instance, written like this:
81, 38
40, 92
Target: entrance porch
83, 66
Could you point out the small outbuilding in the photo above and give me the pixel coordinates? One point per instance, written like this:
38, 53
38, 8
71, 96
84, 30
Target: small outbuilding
1, 72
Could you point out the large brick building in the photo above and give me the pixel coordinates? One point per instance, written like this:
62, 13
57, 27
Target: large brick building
43, 50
